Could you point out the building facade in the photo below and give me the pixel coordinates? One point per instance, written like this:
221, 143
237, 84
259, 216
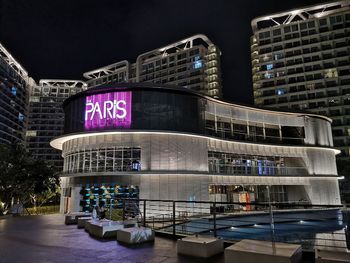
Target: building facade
170, 143
301, 61
193, 63
46, 118
14, 91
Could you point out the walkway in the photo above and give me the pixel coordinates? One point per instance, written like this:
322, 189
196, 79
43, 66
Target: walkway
47, 239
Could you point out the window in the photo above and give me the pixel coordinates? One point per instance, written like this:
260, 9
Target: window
280, 91
268, 75
14, 91
107, 159
20, 117
265, 34
276, 32
197, 64
194, 52
278, 56
331, 73
269, 66
311, 24
336, 19
303, 26
323, 22
287, 29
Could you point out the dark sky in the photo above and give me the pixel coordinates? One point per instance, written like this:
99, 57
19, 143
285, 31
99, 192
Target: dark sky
64, 38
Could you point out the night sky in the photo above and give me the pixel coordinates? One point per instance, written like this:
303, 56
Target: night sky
63, 39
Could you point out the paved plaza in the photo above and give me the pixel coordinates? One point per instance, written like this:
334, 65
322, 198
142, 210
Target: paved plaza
47, 239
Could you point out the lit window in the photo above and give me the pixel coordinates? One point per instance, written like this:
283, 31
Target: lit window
280, 91
197, 64
31, 133
269, 66
14, 91
20, 117
135, 166
268, 75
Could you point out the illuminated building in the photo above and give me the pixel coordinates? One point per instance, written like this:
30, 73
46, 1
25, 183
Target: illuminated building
14, 89
193, 63
46, 118
168, 143
301, 61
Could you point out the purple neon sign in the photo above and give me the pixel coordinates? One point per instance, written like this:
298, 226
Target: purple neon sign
108, 110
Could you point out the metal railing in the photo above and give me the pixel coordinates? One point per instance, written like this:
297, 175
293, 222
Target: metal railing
312, 226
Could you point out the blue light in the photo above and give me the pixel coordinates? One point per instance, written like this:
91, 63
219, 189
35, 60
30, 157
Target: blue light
268, 75
20, 117
280, 91
197, 64
14, 91
269, 66
196, 58
260, 168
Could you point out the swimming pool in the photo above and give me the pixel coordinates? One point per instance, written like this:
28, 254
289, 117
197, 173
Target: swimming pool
302, 227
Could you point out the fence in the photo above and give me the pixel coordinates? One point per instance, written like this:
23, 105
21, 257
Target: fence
312, 226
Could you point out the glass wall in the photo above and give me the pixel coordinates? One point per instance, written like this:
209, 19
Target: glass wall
151, 110
246, 194
237, 164
227, 128
103, 160
164, 109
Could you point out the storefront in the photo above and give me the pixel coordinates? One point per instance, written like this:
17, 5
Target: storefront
170, 143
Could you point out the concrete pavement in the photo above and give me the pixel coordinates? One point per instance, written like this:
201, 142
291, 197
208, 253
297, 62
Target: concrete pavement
47, 239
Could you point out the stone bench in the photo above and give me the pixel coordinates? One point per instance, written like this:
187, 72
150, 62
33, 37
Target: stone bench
135, 235
72, 218
323, 256
247, 251
103, 228
202, 246
82, 220
88, 224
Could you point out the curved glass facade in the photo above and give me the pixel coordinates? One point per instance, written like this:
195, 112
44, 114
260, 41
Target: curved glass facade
110, 159
151, 110
144, 107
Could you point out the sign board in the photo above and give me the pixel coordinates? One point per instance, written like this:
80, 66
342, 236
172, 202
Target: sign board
108, 110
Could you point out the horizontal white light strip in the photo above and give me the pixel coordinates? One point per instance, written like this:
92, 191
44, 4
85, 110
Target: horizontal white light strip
58, 142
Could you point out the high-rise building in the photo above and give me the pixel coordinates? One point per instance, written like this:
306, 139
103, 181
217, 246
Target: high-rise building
14, 88
301, 61
193, 63
46, 118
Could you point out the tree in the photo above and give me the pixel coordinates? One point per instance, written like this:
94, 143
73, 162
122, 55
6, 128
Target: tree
23, 178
